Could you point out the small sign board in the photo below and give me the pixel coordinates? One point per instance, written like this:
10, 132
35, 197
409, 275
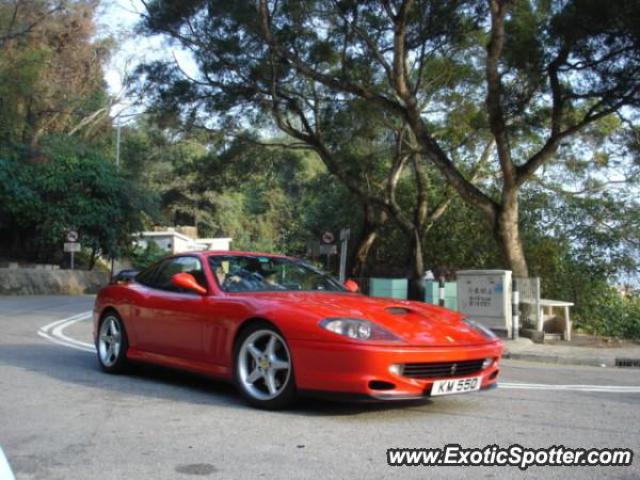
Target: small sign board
72, 236
328, 238
72, 247
328, 249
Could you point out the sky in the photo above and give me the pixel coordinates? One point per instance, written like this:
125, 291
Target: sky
118, 19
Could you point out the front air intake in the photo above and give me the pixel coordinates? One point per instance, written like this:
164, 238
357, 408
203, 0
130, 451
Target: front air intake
442, 370
380, 385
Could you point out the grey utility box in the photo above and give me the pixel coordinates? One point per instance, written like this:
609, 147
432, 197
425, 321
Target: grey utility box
485, 296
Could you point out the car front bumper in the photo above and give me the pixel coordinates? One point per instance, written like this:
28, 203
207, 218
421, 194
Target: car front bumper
356, 372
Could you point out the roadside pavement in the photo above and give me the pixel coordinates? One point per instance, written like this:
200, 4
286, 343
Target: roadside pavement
567, 354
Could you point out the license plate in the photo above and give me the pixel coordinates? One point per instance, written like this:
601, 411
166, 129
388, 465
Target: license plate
458, 385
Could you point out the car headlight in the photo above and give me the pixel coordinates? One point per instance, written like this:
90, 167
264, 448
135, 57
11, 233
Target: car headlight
487, 362
478, 327
358, 329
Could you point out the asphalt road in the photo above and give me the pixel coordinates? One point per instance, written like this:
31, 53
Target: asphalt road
61, 418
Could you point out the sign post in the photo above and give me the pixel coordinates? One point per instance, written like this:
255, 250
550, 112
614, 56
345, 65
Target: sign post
441, 286
515, 310
72, 245
328, 247
345, 233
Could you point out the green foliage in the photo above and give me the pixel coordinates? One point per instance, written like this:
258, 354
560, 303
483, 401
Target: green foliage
261, 197
462, 239
606, 312
72, 187
141, 258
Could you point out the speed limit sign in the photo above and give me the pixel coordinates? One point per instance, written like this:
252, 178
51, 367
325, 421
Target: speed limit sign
72, 236
328, 238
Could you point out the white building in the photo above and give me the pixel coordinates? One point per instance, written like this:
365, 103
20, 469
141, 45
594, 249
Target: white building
176, 242
221, 243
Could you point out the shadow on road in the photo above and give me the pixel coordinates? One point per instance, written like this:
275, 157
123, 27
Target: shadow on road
81, 368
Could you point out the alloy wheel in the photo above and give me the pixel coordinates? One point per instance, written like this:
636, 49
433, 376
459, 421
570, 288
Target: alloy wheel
109, 341
264, 365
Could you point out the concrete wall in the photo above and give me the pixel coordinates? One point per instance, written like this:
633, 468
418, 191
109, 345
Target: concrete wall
37, 281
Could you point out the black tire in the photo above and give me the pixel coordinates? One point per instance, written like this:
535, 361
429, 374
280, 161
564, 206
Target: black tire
285, 387
117, 362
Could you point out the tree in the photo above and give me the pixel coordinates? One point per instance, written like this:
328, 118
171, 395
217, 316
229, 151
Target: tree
368, 154
51, 77
19, 20
370, 158
75, 188
529, 76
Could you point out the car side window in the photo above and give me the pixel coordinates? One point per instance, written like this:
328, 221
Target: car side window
227, 268
170, 267
256, 273
147, 276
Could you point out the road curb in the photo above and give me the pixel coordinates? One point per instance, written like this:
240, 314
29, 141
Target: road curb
560, 360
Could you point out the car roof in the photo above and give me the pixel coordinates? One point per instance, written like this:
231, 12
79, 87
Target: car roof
213, 253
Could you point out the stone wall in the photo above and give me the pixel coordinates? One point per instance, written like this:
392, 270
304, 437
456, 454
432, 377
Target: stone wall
40, 281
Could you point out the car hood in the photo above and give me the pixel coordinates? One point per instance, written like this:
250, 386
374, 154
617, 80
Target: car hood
416, 323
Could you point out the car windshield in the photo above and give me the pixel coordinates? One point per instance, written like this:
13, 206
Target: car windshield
245, 273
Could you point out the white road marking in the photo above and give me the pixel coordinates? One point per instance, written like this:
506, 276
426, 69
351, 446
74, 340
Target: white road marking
570, 388
5, 469
54, 332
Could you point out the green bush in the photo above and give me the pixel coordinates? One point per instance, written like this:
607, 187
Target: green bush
609, 314
71, 187
141, 258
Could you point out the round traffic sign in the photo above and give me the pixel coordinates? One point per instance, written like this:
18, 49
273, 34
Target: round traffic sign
327, 237
72, 236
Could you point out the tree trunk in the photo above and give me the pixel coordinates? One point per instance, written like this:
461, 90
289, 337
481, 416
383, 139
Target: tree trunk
92, 259
362, 252
507, 233
370, 231
416, 280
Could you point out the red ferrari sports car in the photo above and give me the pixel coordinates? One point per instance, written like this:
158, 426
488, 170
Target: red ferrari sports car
279, 327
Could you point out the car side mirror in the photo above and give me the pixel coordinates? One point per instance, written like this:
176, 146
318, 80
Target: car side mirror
352, 286
188, 281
